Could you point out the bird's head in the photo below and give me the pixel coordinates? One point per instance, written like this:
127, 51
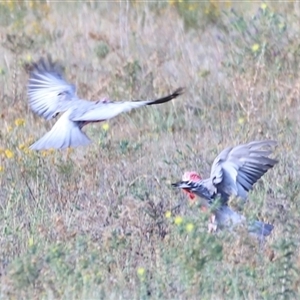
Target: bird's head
188, 176
191, 176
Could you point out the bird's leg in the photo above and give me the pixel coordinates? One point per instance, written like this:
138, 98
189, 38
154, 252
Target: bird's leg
103, 100
212, 225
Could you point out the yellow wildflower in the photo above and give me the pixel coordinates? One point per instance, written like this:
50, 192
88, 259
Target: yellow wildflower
105, 126
19, 122
8, 153
241, 121
178, 220
48, 152
168, 214
44, 153
30, 242
10, 4
9, 128
69, 150
22, 147
255, 47
36, 27
140, 271
31, 4
189, 227
30, 140
1, 169
29, 58
192, 7
228, 4
263, 6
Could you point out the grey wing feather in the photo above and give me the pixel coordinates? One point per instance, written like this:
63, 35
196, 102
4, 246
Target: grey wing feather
237, 169
48, 92
99, 111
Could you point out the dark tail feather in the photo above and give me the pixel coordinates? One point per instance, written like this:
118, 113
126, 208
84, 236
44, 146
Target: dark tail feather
260, 228
177, 93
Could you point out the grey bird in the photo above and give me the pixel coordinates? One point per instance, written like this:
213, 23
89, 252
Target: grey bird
50, 94
233, 173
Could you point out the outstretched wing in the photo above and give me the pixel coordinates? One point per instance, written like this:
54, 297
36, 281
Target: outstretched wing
100, 111
235, 170
48, 92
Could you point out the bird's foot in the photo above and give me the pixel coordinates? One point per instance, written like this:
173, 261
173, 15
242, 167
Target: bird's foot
105, 100
212, 225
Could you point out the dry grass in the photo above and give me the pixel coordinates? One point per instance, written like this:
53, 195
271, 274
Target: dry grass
91, 223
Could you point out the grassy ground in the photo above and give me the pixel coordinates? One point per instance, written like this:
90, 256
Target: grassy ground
103, 221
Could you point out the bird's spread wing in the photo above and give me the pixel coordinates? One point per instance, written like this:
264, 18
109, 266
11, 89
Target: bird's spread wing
235, 170
48, 92
99, 111
64, 134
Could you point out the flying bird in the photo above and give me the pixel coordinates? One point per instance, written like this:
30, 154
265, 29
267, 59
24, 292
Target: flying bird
233, 173
50, 94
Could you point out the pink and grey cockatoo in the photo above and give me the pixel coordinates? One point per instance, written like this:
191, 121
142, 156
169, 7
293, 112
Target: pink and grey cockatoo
49, 94
233, 173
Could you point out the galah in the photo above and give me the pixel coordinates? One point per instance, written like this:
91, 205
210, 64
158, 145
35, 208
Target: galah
233, 173
50, 94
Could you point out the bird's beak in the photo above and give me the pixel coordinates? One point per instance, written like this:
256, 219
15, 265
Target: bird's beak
176, 184
182, 186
